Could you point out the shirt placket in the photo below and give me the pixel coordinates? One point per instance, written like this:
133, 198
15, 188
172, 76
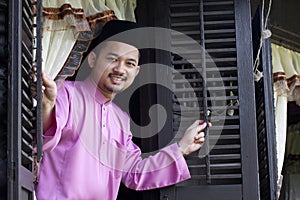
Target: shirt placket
104, 135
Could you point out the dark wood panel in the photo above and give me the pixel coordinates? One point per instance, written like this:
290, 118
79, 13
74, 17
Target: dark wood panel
293, 111
3, 97
211, 192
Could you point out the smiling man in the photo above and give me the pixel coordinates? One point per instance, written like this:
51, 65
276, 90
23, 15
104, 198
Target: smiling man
88, 148
114, 68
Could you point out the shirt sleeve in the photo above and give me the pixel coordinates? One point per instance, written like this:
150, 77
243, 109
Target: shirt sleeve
61, 113
165, 168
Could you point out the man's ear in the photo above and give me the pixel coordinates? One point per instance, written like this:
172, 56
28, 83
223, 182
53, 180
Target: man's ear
92, 57
137, 70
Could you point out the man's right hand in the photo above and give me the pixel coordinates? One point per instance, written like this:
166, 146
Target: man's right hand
49, 91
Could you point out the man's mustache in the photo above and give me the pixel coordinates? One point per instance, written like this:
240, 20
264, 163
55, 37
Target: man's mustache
117, 75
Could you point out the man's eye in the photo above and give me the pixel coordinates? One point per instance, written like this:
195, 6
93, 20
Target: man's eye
113, 59
131, 64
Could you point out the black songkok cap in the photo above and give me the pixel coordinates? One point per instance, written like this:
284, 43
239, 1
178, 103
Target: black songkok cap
113, 28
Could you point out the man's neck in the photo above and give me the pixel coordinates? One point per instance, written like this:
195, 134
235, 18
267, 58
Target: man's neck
108, 96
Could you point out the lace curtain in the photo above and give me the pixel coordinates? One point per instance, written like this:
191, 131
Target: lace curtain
286, 73
69, 26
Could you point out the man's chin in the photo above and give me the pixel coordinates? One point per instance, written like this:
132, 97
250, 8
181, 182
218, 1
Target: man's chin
114, 90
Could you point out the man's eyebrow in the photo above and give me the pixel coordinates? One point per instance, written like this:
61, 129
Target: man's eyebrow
113, 54
133, 60
116, 55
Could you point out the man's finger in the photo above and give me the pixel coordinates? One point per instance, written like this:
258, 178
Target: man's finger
200, 140
201, 127
47, 81
196, 123
200, 135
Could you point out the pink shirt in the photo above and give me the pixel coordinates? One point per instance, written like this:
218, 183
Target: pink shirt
88, 151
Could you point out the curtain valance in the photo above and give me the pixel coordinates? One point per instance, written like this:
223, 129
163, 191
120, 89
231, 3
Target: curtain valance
286, 72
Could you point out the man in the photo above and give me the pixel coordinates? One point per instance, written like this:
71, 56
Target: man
87, 147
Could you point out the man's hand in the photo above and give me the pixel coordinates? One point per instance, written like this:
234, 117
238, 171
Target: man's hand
49, 88
49, 96
193, 138
49, 91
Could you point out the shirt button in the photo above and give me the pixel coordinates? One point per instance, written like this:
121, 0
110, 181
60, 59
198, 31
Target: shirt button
103, 125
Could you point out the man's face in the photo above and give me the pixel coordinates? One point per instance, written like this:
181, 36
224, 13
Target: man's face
115, 67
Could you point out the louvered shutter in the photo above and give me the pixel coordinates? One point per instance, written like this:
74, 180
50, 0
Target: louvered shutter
265, 115
26, 101
22, 124
219, 41
222, 28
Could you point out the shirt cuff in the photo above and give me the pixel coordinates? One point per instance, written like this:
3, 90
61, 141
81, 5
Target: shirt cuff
182, 164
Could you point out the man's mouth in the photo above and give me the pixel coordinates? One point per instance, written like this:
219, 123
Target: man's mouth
117, 77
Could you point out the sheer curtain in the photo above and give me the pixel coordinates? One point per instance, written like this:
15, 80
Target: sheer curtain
286, 73
69, 26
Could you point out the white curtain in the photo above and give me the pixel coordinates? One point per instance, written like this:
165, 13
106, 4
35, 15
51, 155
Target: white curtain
64, 20
286, 73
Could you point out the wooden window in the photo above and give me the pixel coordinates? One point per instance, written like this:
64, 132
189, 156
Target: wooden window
265, 114
220, 27
22, 123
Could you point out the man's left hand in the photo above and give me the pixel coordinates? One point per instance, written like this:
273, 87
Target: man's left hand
193, 138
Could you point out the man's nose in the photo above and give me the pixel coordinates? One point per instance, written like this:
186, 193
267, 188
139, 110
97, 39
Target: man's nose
119, 67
